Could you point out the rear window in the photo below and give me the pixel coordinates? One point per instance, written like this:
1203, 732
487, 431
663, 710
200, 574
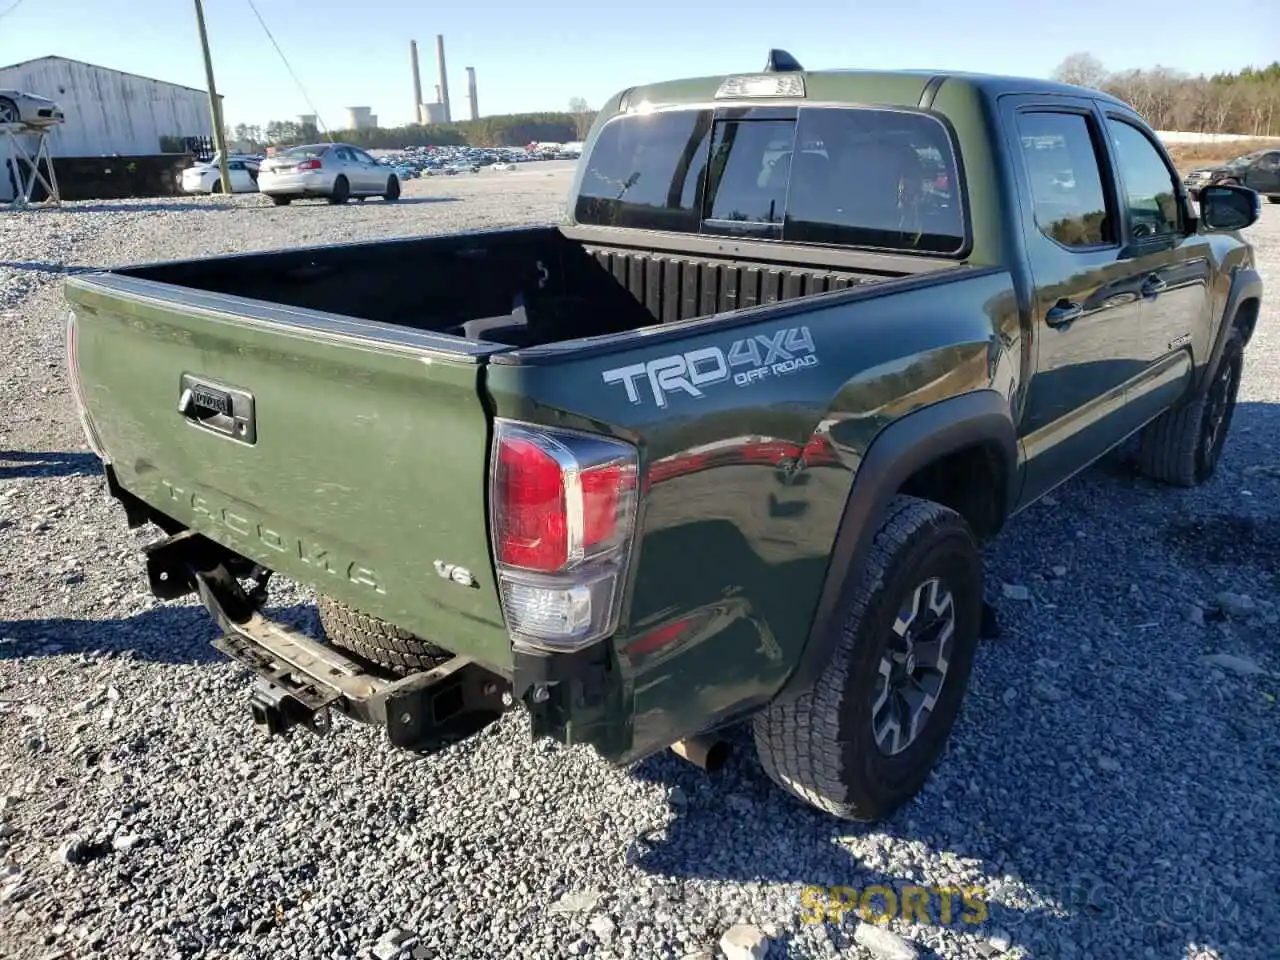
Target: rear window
303, 153
875, 178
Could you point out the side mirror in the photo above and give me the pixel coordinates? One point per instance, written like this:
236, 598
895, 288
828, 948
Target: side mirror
1226, 208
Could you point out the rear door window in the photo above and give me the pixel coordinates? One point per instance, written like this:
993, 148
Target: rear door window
872, 178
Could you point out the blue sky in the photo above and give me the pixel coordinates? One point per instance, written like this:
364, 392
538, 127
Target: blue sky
536, 54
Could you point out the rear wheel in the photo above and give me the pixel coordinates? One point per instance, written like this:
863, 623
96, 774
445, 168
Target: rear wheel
281, 201
376, 640
393, 189
864, 739
217, 187
341, 191
1183, 445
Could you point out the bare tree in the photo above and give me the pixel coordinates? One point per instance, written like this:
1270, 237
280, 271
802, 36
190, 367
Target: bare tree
583, 116
1082, 69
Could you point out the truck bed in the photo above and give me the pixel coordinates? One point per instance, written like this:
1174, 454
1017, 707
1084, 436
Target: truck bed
523, 287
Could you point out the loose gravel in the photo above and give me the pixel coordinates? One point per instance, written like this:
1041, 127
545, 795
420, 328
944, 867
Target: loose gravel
1111, 789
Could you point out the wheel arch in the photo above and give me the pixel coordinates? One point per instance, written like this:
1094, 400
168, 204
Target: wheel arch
916, 454
1244, 301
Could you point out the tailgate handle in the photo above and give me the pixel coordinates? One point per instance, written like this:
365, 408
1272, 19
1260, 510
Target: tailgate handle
218, 408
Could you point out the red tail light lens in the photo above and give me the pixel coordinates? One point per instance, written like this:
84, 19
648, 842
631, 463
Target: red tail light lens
558, 499
602, 487
532, 517
309, 165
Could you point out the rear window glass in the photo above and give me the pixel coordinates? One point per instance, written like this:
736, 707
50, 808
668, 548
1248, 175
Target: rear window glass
880, 179
646, 171
303, 152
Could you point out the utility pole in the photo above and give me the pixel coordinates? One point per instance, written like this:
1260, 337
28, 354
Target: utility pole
215, 108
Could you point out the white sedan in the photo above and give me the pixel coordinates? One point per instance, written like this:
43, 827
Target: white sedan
207, 178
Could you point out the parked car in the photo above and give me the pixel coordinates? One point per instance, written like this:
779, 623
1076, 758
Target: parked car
1259, 170
722, 445
17, 107
334, 171
207, 178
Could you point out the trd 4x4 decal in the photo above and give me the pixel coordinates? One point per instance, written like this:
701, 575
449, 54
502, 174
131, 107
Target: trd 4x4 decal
747, 361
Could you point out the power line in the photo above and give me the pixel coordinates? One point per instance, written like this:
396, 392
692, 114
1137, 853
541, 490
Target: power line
9, 9
267, 30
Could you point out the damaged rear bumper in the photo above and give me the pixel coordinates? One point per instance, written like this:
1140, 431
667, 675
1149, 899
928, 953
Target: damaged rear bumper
300, 680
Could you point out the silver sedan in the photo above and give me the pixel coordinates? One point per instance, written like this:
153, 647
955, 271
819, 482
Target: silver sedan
335, 171
19, 108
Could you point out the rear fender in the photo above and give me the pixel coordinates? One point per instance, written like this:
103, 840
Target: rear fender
898, 451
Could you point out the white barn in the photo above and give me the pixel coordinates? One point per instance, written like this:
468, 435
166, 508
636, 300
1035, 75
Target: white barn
109, 112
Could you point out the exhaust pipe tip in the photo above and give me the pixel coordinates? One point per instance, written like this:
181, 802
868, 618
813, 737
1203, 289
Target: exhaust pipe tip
707, 753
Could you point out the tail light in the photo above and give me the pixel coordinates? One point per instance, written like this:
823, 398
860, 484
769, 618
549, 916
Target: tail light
563, 514
77, 389
310, 165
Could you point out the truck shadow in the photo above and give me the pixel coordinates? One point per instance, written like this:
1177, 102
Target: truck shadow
163, 634
1094, 821
25, 465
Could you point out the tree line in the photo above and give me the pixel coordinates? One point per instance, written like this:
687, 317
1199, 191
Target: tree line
1245, 102
510, 130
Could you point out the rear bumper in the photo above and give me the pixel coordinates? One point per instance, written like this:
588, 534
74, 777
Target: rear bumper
317, 183
299, 680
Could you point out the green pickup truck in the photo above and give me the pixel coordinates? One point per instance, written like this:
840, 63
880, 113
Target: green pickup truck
722, 445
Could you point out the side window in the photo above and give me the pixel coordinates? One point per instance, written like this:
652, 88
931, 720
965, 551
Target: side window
646, 172
1148, 185
1065, 178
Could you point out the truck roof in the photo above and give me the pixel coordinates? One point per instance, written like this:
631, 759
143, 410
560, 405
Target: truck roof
899, 87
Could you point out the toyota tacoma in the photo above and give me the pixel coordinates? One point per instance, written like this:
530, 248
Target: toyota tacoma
723, 444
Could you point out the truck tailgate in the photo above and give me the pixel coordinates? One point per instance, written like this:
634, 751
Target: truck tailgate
349, 456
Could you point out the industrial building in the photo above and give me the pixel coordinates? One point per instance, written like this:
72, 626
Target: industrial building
112, 113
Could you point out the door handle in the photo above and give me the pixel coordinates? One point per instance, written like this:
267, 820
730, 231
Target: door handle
1063, 313
1152, 286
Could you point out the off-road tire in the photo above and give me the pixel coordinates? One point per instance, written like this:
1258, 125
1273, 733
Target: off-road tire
341, 191
1174, 447
281, 201
821, 747
376, 640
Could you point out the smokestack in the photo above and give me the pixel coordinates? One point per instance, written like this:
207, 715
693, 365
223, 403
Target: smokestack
471, 92
417, 81
444, 78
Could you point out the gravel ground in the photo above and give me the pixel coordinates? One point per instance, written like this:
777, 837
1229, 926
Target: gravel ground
1111, 791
